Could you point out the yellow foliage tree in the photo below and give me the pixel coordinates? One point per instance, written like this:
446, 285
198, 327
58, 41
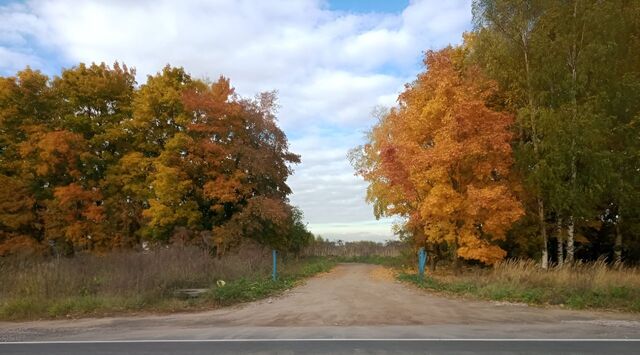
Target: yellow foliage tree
442, 158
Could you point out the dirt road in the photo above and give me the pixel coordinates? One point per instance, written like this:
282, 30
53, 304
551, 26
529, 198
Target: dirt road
352, 301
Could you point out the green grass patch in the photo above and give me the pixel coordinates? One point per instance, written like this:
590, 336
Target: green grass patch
244, 290
22, 308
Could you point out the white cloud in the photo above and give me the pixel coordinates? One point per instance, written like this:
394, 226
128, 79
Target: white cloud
17, 26
324, 184
337, 97
330, 68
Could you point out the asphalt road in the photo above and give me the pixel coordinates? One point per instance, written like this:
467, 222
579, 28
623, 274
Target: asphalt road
356, 308
328, 346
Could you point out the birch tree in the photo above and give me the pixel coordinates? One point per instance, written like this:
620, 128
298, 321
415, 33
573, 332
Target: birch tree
508, 48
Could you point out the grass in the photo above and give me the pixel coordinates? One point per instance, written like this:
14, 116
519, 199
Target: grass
244, 290
580, 286
130, 282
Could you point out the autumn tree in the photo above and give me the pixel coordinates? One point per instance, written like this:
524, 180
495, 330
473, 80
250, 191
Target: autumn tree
26, 103
90, 162
17, 217
220, 162
126, 190
241, 159
449, 156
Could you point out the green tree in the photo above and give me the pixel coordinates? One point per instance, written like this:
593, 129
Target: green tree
560, 66
508, 48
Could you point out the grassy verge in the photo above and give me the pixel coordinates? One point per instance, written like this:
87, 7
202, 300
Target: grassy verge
250, 289
581, 286
125, 283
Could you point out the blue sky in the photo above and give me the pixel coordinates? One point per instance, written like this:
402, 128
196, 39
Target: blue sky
364, 6
332, 62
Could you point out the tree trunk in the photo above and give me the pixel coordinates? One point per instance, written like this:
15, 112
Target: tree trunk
534, 140
617, 248
560, 243
573, 64
570, 247
433, 261
456, 262
543, 233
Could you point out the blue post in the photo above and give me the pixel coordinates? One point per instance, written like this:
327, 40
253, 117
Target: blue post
274, 274
422, 260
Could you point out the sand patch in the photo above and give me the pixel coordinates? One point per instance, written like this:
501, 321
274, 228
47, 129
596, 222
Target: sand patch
382, 274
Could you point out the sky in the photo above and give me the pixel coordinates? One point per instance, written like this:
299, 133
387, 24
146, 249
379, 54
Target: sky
331, 62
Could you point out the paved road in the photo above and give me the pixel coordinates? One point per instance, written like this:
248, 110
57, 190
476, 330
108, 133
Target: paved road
354, 301
328, 347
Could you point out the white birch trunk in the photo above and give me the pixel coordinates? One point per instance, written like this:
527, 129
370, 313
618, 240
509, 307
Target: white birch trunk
543, 232
570, 239
573, 64
560, 243
617, 248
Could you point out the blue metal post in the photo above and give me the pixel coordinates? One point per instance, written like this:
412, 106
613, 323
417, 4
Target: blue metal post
274, 274
422, 260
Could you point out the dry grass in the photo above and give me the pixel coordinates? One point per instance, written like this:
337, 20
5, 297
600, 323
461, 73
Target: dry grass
89, 285
580, 276
125, 273
578, 286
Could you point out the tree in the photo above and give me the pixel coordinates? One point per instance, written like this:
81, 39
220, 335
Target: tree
241, 160
96, 163
450, 154
561, 68
75, 216
158, 110
26, 103
618, 97
298, 237
17, 216
507, 49
127, 191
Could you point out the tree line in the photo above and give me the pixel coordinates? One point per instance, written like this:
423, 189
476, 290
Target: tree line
524, 141
91, 161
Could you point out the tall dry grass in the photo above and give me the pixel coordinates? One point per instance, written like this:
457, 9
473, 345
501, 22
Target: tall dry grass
578, 276
579, 286
117, 281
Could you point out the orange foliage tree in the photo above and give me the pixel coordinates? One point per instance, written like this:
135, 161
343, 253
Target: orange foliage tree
442, 159
90, 162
